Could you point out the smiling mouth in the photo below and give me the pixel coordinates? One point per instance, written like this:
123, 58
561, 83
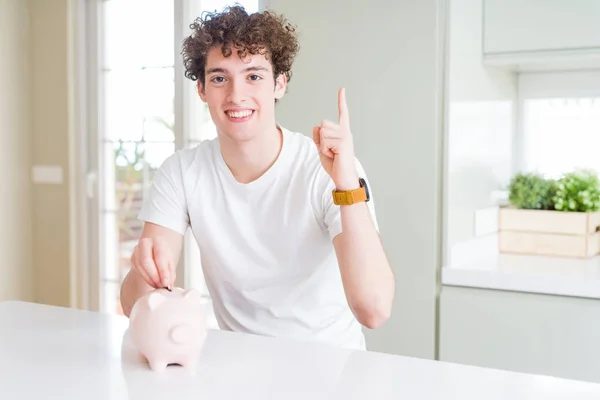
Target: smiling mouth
239, 115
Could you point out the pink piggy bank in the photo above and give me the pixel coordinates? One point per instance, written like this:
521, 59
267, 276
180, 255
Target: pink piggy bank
169, 327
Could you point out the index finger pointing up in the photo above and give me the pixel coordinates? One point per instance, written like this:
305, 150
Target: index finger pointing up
343, 108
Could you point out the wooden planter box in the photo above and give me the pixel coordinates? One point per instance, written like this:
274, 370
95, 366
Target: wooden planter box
549, 233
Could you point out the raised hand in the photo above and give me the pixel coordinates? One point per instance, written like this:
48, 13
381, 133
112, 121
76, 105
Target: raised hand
336, 147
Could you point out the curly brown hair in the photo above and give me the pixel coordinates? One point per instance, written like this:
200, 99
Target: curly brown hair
259, 33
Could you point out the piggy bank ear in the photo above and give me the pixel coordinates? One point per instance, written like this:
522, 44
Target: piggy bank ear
192, 295
155, 299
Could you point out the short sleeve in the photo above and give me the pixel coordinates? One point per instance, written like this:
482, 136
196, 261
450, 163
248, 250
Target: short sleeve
332, 213
165, 204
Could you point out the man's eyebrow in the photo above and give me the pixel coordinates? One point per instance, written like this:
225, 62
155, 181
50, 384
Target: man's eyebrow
213, 70
256, 68
223, 70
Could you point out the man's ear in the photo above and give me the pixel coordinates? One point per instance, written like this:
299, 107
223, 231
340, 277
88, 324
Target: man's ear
280, 86
201, 91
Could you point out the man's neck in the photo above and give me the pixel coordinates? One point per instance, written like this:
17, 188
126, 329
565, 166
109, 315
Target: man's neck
248, 161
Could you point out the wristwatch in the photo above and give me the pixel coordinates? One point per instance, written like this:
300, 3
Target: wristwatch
348, 197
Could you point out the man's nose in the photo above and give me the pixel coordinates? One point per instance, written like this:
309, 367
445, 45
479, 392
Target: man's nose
236, 92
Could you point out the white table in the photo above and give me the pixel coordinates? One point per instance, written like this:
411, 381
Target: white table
58, 353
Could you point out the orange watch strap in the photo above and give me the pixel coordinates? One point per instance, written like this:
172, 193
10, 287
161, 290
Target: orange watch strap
348, 197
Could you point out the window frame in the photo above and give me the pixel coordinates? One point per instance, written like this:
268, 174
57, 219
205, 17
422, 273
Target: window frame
86, 240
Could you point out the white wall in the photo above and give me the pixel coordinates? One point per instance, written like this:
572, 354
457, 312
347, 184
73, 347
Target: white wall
52, 135
15, 152
387, 55
480, 124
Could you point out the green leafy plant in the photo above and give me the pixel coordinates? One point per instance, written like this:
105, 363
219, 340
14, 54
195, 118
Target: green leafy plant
532, 191
578, 191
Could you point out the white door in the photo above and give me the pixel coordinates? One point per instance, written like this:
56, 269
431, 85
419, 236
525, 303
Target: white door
142, 108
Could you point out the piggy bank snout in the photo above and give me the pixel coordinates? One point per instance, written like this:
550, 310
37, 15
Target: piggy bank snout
181, 334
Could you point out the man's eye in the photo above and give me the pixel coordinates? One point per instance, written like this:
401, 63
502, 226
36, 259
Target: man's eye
255, 77
218, 79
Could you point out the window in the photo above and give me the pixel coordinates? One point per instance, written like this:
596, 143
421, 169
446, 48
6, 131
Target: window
146, 110
559, 116
554, 128
561, 134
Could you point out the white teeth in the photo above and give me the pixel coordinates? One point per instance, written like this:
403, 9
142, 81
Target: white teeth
239, 114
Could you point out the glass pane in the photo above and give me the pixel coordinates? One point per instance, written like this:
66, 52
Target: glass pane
138, 33
157, 102
139, 104
130, 230
130, 175
109, 256
126, 229
133, 166
562, 135
123, 108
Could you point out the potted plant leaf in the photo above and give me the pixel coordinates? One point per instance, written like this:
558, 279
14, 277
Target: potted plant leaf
531, 191
552, 217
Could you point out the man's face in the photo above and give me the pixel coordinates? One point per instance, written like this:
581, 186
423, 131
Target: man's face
241, 94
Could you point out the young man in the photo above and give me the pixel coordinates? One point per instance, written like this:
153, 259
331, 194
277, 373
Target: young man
280, 256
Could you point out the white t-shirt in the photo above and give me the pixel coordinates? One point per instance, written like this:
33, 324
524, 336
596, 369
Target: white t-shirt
266, 247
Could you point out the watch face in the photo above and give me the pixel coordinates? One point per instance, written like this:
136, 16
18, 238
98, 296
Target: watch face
363, 184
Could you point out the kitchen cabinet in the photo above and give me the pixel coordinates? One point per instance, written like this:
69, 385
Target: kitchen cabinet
550, 34
524, 332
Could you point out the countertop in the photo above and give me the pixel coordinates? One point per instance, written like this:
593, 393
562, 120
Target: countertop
478, 264
49, 352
